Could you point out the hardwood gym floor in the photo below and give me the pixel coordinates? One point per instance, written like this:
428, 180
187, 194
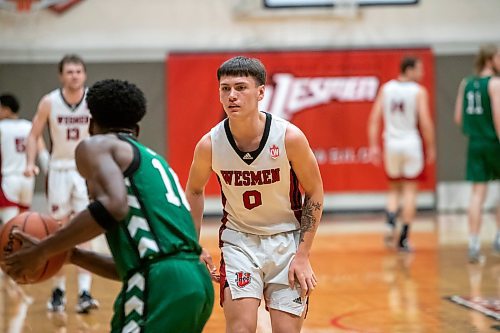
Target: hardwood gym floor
363, 288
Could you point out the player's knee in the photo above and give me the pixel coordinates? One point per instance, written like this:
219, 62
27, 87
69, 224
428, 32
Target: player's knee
240, 327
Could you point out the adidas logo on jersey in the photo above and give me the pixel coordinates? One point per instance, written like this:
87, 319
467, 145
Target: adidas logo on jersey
298, 300
248, 157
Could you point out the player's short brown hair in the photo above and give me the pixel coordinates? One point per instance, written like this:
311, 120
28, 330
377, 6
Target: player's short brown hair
71, 59
243, 66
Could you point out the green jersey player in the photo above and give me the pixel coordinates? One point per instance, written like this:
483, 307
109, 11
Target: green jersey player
138, 203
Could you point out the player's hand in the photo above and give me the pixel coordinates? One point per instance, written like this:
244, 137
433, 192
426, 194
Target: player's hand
25, 260
375, 155
206, 258
301, 272
31, 170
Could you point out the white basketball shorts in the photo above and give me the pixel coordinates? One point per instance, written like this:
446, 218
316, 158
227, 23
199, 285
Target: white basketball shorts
254, 265
66, 192
403, 158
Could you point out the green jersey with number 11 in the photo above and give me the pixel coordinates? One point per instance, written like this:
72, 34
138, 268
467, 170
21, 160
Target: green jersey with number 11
159, 222
476, 109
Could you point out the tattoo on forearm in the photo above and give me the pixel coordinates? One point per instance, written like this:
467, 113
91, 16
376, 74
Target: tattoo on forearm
308, 220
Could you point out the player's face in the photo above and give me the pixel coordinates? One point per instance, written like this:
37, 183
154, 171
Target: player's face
418, 71
496, 62
240, 94
3, 112
73, 76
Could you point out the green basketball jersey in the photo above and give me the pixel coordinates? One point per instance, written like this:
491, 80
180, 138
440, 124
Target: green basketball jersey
476, 109
159, 222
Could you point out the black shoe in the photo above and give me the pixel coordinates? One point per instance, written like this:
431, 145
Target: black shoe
57, 302
86, 303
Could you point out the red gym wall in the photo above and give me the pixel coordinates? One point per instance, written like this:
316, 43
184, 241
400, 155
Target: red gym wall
327, 94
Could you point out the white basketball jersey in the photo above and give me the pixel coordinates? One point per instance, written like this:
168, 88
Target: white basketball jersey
400, 109
68, 125
13, 134
260, 192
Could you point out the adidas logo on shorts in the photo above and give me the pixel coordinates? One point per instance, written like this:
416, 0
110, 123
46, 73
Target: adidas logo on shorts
298, 300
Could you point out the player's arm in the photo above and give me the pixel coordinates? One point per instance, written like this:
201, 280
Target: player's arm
426, 125
459, 104
38, 124
494, 92
306, 168
95, 162
374, 128
43, 155
97, 263
199, 174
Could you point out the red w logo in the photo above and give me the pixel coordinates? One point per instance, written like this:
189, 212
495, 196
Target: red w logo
243, 278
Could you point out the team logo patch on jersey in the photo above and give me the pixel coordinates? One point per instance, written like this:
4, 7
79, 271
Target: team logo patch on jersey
243, 279
275, 151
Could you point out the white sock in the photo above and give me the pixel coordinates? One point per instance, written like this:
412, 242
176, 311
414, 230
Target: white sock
84, 282
474, 242
59, 282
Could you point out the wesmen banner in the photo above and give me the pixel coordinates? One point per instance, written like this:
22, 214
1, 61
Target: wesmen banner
327, 94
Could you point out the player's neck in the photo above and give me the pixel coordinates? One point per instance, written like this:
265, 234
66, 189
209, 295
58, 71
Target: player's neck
487, 71
404, 78
248, 126
12, 116
246, 131
73, 96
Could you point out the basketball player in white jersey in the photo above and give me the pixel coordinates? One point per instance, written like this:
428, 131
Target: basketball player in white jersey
267, 230
404, 106
16, 191
66, 113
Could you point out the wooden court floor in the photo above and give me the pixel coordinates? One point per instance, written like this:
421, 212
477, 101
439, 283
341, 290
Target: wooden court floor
364, 287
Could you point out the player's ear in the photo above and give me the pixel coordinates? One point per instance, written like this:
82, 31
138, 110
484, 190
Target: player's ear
91, 126
261, 90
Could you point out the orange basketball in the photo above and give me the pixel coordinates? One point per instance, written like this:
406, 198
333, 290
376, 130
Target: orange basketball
39, 226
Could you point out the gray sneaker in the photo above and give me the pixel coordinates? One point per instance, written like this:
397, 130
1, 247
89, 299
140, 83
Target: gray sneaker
496, 245
390, 236
475, 256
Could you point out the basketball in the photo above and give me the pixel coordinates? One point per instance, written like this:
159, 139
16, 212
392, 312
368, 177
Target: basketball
39, 226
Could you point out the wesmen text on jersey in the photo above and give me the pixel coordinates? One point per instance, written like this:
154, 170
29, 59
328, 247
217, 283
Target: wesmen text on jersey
260, 191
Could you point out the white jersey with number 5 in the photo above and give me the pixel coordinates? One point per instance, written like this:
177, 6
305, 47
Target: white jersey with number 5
68, 125
13, 134
260, 192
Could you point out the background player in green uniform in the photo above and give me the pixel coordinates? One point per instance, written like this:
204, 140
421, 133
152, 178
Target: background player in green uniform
139, 204
477, 111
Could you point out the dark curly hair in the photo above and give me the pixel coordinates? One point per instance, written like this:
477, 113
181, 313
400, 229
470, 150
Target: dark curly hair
243, 66
9, 101
116, 104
